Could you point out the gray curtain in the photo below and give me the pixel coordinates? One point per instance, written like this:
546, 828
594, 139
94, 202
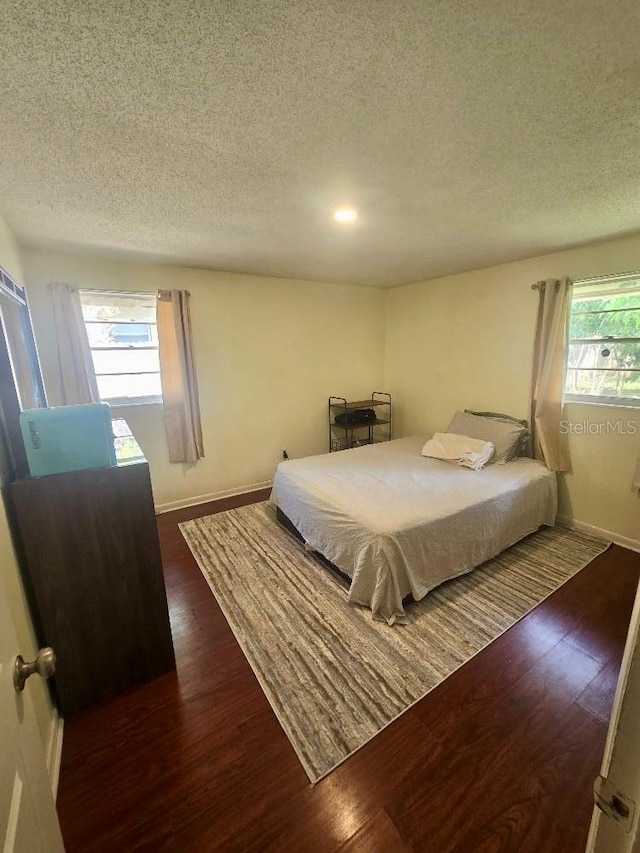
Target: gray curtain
77, 376
547, 382
178, 377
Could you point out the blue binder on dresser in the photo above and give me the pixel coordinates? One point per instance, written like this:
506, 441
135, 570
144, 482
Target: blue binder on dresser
68, 438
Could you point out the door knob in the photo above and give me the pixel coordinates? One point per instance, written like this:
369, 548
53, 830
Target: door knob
44, 665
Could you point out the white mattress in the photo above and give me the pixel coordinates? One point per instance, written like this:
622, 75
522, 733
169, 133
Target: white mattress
398, 523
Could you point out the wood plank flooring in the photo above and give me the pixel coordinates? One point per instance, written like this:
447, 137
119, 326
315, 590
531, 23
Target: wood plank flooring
500, 757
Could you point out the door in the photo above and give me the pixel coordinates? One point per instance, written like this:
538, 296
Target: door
615, 826
28, 820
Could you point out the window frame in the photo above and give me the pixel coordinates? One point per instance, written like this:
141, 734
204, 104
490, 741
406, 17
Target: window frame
603, 281
118, 401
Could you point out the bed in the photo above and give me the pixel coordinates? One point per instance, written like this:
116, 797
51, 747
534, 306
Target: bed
398, 524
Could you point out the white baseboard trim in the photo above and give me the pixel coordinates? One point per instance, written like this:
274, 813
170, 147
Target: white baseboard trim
213, 496
54, 750
573, 524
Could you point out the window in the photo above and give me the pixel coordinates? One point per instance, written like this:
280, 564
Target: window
15, 323
21, 385
123, 337
603, 364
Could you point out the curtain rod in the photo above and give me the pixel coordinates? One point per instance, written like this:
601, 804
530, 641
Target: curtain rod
604, 278
597, 279
142, 294
98, 292
165, 295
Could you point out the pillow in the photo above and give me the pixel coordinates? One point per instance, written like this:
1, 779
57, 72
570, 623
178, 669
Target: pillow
504, 435
524, 449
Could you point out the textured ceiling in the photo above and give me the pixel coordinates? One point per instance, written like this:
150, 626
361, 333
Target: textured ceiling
220, 134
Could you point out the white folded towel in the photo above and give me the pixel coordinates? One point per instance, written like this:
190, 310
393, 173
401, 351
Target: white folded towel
467, 452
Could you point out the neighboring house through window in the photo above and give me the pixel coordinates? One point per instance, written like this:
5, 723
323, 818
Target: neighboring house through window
123, 337
603, 364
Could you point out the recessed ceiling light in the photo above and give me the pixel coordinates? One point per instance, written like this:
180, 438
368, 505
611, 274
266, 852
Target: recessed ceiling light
345, 215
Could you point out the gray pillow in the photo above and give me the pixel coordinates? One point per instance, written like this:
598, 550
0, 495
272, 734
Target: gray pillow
505, 436
524, 448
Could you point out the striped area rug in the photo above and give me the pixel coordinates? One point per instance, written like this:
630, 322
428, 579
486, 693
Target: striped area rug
333, 675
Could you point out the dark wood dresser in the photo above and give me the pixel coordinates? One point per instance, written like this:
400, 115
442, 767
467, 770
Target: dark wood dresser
95, 576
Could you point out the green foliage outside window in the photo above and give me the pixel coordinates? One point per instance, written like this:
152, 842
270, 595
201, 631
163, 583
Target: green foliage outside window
604, 346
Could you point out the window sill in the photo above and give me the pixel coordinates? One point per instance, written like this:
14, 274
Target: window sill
131, 403
606, 404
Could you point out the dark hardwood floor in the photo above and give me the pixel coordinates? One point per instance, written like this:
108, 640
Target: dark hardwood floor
500, 757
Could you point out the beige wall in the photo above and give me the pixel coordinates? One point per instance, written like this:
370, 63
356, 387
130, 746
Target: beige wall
268, 351
9, 572
465, 341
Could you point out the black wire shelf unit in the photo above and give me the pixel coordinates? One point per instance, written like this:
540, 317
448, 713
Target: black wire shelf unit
359, 422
